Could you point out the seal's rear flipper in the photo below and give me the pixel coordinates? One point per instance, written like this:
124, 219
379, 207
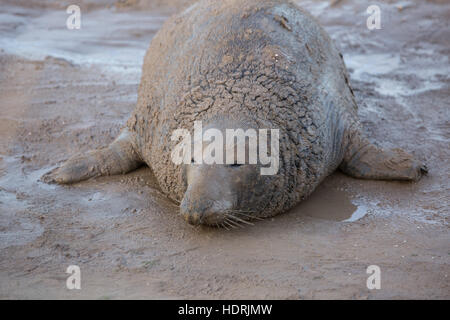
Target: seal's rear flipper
364, 160
118, 158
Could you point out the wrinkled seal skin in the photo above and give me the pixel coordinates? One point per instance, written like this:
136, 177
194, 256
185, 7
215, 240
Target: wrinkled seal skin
259, 64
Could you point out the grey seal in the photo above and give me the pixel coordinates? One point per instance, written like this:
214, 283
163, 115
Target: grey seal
244, 64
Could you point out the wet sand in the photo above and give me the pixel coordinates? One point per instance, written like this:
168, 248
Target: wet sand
64, 91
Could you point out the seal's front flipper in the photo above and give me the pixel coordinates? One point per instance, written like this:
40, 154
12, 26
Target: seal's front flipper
364, 160
118, 158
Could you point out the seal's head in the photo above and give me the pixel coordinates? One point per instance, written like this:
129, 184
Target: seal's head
231, 192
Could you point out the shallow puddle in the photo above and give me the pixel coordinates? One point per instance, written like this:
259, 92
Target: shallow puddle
330, 204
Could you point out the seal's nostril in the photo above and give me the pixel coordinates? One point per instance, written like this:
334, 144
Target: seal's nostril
193, 218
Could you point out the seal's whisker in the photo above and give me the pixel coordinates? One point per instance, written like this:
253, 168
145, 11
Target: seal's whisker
241, 220
241, 225
223, 226
244, 216
233, 222
229, 224
235, 225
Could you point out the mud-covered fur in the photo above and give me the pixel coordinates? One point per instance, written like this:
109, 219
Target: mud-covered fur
220, 58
